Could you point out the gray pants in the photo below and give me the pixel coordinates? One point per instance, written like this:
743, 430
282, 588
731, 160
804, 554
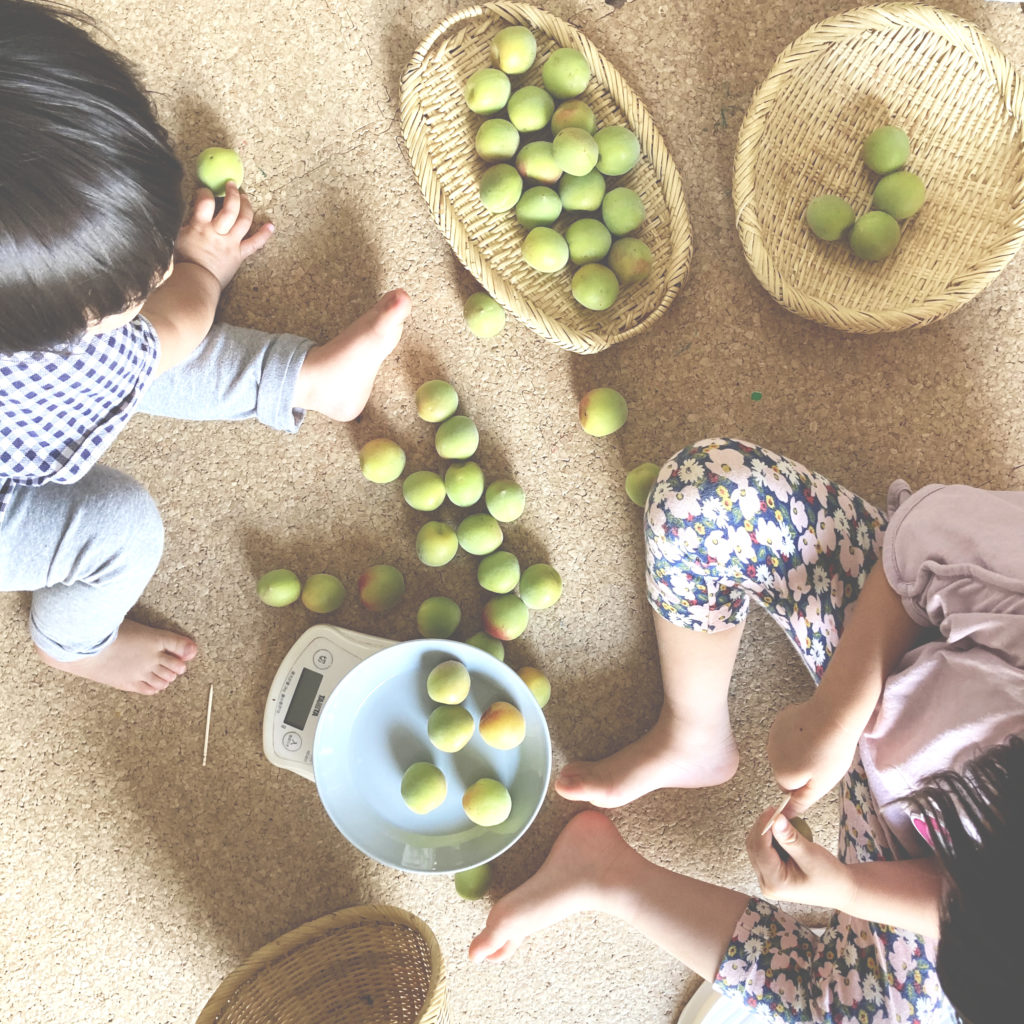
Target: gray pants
86, 550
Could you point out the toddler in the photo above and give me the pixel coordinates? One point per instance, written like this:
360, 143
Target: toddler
918, 711
106, 308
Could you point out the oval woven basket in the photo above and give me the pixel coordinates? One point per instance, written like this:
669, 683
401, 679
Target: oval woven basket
439, 132
364, 965
959, 100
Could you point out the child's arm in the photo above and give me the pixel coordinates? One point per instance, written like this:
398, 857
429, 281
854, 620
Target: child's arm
211, 246
904, 894
811, 745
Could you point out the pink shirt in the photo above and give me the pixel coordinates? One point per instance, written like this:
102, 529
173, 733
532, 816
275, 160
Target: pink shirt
955, 555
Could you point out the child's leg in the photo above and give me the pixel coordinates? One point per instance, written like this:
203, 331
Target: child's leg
86, 551
238, 373
727, 522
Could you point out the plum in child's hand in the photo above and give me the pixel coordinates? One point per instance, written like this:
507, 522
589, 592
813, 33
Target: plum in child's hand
506, 617
502, 726
874, 236
423, 787
602, 411
487, 802
279, 588
381, 588
448, 682
900, 194
438, 617
514, 49
450, 728
473, 883
323, 593
829, 216
216, 166
381, 460
886, 149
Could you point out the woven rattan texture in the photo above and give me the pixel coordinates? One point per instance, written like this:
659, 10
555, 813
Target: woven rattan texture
960, 102
365, 965
439, 132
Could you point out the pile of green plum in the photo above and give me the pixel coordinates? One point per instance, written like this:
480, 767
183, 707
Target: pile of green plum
550, 159
897, 196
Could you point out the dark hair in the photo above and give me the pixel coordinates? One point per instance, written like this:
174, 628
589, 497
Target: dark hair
976, 819
90, 190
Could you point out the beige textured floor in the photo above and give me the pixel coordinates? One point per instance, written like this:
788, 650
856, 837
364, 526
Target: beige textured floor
134, 878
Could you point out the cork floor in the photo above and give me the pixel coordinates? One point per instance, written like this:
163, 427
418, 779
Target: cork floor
135, 878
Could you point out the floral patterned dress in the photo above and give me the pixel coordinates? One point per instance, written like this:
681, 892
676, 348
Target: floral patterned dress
728, 522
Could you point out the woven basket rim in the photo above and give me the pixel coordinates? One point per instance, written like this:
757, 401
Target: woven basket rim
512, 298
310, 932
838, 28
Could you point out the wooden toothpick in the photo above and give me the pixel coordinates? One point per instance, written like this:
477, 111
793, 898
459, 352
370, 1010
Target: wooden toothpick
209, 711
775, 814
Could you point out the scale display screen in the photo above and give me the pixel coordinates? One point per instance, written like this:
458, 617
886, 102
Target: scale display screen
302, 699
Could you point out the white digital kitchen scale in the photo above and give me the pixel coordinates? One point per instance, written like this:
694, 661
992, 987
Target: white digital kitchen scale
309, 674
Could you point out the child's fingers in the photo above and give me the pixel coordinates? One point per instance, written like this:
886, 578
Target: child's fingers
256, 241
204, 206
227, 215
763, 856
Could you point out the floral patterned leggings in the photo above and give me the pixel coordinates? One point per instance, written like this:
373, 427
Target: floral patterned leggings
726, 522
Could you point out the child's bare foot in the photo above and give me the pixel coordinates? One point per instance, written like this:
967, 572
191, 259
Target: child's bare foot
336, 378
586, 867
140, 660
671, 755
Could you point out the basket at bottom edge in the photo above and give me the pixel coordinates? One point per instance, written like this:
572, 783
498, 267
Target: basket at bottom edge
363, 965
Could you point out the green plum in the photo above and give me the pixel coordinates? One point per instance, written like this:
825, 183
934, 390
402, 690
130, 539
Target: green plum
530, 108
497, 139
456, 438
423, 787
545, 250
487, 91
829, 216
500, 187
450, 727
584, 192
436, 543
639, 481
619, 150
886, 149
438, 617
622, 210
448, 682
216, 166
502, 726
536, 160
498, 572
540, 586
491, 645
595, 286
483, 316
505, 500
279, 588
436, 400
565, 73
487, 802
323, 593
464, 483
900, 194
381, 588
473, 883
874, 236
514, 49
589, 240
573, 114
381, 460
575, 151
602, 411
538, 206
479, 533
506, 616
631, 260
423, 490
538, 683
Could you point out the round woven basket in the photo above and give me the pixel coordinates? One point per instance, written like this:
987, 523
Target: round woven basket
363, 965
960, 102
439, 132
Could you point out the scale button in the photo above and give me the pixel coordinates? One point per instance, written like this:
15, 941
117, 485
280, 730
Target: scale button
291, 741
322, 658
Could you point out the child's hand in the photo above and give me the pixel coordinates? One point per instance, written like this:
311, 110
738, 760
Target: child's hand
809, 751
807, 873
219, 240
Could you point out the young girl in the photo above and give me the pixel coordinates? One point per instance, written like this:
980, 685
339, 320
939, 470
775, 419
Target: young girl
106, 308
919, 710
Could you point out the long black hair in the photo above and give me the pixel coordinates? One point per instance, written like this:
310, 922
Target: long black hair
976, 819
90, 189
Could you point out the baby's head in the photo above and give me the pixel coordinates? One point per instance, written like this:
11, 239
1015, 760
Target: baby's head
90, 190
979, 841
